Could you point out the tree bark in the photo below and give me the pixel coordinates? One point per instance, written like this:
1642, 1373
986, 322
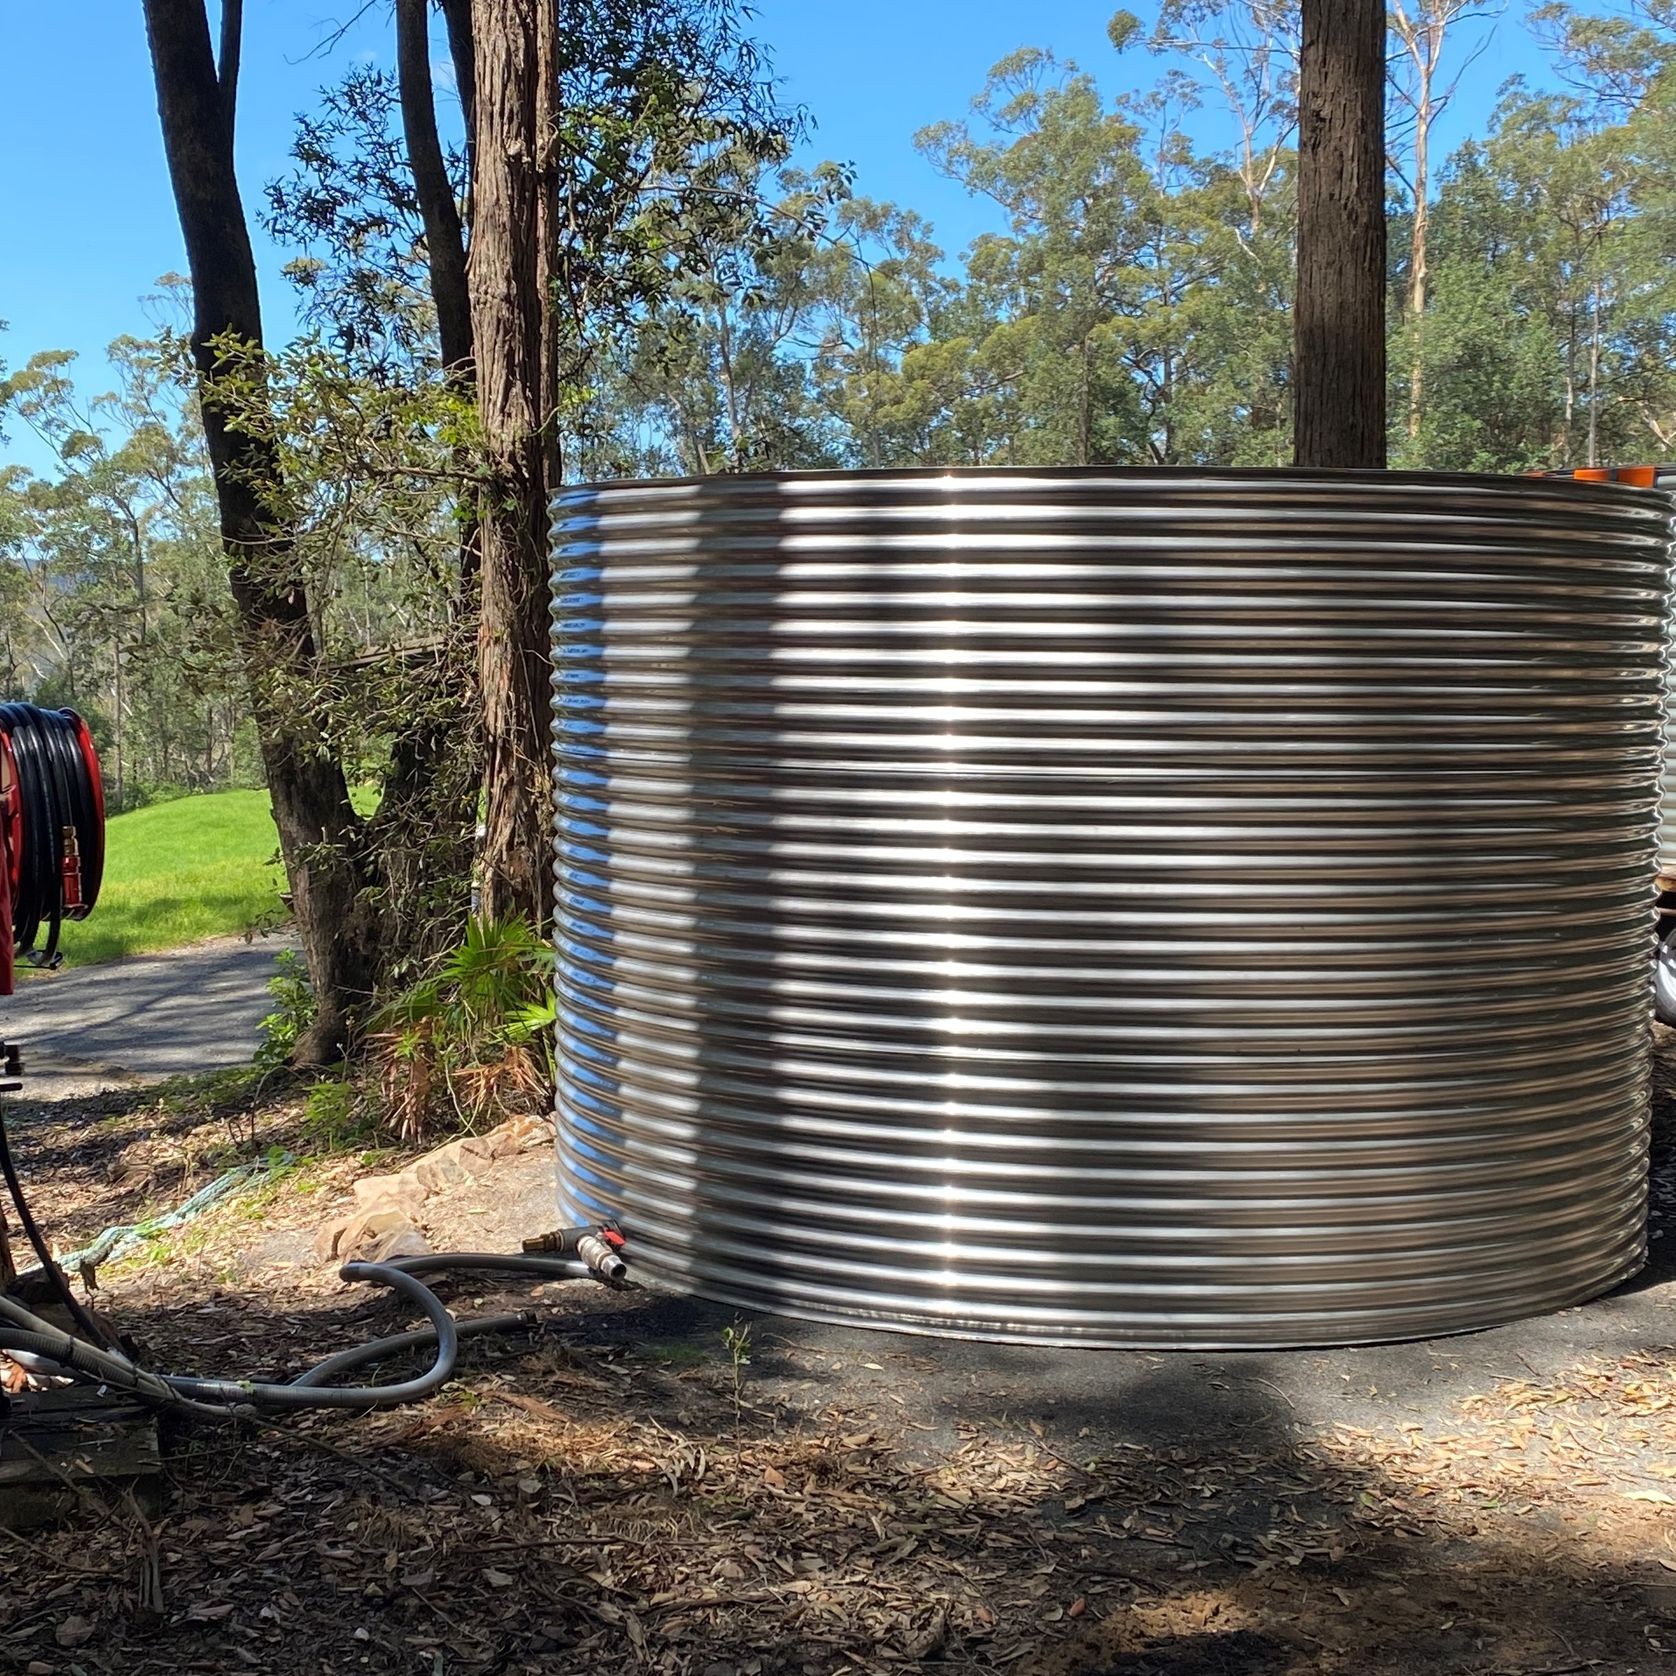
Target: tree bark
1339, 317
1418, 237
511, 278
320, 837
1418, 275
1422, 28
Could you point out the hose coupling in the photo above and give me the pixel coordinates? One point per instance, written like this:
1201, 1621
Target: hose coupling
599, 1248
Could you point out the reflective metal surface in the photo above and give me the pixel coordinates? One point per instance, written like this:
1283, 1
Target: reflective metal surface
1667, 791
1176, 908
1665, 478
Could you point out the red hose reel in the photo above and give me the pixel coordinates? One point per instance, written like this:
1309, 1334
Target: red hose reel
52, 830
11, 844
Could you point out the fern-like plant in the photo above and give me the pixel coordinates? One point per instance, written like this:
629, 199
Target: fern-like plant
470, 1044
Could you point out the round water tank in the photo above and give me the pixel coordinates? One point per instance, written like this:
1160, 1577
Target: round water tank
1667, 784
1125, 907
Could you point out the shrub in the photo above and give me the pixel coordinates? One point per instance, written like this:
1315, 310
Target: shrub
293, 1012
469, 1045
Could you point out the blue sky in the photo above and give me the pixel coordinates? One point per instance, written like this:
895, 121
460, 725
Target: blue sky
91, 226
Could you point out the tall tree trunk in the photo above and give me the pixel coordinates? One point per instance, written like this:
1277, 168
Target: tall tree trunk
1594, 375
1421, 27
1570, 409
1339, 319
456, 16
1418, 253
445, 245
511, 279
320, 837
425, 828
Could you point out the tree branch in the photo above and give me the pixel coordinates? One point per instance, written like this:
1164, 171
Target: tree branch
227, 66
444, 235
456, 14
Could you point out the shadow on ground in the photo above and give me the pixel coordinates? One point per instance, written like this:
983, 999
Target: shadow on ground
638, 1487
587, 1500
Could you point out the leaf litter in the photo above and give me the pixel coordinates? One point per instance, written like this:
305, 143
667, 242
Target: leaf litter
574, 1501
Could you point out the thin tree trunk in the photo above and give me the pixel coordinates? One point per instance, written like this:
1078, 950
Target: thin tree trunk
227, 70
1339, 320
119, 775
320, 837
1417, 253
424, 830
456, 15
549, 203
730, 393
445, 245
1085, 401
1570, 382
1594, 374
510, 285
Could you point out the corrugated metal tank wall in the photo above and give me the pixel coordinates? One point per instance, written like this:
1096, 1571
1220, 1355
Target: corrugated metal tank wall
1667, 777
1667, 793
1175, 908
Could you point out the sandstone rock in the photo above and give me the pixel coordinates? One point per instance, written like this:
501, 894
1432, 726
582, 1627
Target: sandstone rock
399, 1242
439, 1170
521, 1134
402, 1190
473, 1154
499, 1142
330, 1237
364, 1230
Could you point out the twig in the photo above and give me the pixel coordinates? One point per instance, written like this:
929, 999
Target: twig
151, 1578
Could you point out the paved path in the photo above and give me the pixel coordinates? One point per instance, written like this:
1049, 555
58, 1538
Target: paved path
143, 1019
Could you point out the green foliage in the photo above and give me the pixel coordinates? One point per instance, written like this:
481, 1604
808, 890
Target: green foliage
294, 1010
494, 990
469, 1044
111, 576
1131, 302
333, 1115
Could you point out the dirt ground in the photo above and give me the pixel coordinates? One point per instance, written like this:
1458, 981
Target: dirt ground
634, 1486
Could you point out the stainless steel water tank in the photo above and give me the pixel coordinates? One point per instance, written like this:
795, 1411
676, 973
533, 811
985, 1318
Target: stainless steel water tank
1126, 907
1667, 792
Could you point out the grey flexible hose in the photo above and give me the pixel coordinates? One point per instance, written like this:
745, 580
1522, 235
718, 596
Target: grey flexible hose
495, 1262
225, 1398
380, 1349
106, 1367
266, 1396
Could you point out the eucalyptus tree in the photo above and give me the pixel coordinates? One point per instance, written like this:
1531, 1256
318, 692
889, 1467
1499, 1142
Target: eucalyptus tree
320, 834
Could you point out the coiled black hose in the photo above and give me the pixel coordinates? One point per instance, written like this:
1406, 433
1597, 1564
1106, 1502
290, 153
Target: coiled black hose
22, 1330
61, 826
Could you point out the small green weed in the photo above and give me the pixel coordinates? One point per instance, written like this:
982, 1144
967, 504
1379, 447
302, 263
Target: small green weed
333, 1116
736, 1340
294, 1009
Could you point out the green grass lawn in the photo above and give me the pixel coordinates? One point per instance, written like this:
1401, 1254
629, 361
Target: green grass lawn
179, 872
